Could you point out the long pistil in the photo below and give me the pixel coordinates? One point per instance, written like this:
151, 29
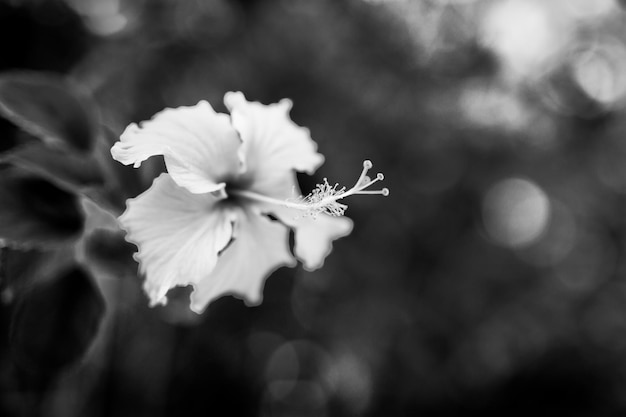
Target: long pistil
324, 198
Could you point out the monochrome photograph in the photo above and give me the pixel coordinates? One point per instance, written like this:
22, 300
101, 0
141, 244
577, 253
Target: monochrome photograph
312, 208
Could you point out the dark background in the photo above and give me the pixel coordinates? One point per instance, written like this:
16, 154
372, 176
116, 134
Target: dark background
490, 282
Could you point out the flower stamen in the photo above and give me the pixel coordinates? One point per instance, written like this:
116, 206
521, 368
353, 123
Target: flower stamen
324, 198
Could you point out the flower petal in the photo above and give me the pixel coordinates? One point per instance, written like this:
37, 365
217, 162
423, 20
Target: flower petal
260, 246
313, 236
179, 235
200, 146
273, 145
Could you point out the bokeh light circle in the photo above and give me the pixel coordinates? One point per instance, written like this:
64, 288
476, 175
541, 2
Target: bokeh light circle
515, 212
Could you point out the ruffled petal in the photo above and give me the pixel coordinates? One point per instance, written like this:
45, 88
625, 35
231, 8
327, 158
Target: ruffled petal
259, 247
313, 236
273, 145
200, 146
179, 235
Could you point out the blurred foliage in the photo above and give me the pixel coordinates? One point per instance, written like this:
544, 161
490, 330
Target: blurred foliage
490, 282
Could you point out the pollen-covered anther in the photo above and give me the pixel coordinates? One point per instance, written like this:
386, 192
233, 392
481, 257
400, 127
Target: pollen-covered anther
324, 198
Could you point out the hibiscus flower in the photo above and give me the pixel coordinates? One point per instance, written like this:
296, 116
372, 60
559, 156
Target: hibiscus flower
219, 219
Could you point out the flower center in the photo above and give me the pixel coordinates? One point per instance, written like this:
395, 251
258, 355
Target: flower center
324, 198
232, 191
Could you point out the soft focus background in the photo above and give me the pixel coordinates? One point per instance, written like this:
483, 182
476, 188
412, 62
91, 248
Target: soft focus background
492, 281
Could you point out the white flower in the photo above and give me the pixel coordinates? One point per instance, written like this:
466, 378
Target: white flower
219, 219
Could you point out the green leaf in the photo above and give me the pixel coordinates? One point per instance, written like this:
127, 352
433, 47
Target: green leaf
49, 107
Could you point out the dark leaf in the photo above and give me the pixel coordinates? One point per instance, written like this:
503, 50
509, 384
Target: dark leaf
48, 107
34, 212
109, 250
66, 169
22, 269
17, 268
54, 324
8, 135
